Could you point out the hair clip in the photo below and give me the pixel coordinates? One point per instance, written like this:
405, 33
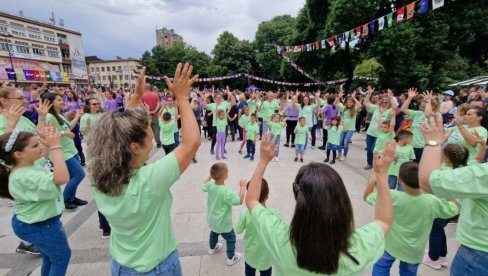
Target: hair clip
296, 188
12, 139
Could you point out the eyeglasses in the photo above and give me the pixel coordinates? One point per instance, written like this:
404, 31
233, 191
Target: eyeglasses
18, 98
95, 104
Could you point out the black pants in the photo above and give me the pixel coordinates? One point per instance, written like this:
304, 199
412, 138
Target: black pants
251, 271
80, 152
325, 136
314, 132
169, 148
260, 127
104, 223
233, 129
250, 147
290, 128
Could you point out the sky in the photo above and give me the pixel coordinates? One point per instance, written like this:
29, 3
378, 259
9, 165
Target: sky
126, 28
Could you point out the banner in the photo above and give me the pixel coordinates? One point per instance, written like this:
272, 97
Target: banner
437, 4
410, 10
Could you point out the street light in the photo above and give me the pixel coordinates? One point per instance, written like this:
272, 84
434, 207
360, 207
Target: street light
10, 55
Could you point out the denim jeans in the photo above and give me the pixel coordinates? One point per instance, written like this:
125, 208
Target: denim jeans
230, 239
469, 261
251, 271
418, 154
370, 143
50, 239
250, 147
277, 143
177, 138
383, 265
76, 175
265, 126
346, 137
393, 183
169, 267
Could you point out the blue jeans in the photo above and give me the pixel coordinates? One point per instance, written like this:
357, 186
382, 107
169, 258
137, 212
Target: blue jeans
251, 271
230, 239
50, 239
383, 265
277, 143
177, 138
76, 175
265, 126
393, 183
169, 267
469, 261
345, 139
370, 143
418, 154
250, 147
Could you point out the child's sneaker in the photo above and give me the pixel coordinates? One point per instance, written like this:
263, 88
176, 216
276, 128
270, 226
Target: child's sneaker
252, 158
106, 235
434, 264
247, 156
301, 160
444, 261
217, 248
296, 159
277, 159
235, 259
332, 162
326, 160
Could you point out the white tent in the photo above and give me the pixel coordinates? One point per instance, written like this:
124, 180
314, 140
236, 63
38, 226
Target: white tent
478, 81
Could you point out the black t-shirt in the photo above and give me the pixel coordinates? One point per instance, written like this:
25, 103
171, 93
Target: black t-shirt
233, 111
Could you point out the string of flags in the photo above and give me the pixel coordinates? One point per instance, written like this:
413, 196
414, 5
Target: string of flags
396, 17
36, 75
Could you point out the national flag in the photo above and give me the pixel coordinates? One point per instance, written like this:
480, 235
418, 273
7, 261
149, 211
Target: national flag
424, 6
410, 10
437, 4
381, 23
372, 26
365, 29
400, 14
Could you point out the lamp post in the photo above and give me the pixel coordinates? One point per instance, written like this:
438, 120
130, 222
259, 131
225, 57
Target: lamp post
10, 55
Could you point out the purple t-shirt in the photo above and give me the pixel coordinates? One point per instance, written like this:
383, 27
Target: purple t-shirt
330, 112
73, 106
110, 105
28, 98
292, 112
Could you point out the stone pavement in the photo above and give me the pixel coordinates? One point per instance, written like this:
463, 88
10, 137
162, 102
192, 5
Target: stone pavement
89, 251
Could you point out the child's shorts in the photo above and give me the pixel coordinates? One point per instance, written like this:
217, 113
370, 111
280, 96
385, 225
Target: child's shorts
299, 148
332, 147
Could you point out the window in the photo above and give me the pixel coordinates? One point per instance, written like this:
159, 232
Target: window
104, 78
18, 31
65, 53
119, 68
126, 77
38, 51
108, 68
133, 85
98, 69
52, 53
67, 68
125, 68
62, 39
49, 37
103, 69
6, 45
114, 77
3, 28
36, 35
98, 77
113, 68
22, 49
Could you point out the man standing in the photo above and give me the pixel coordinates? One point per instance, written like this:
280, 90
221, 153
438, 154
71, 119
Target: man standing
151, 99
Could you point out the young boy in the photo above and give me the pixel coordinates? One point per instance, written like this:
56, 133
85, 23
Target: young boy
256, 256
414, 215
219, 214
252, 132
386, 132
404, 153
168, 127
301, 135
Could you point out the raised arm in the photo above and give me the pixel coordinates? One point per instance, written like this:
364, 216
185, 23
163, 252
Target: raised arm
51, 137
428, 103
180, 87
370, 186
135, 99
367, 100
393, 103
384, 209
392, 121
412, 92
338, 98
469, 137
481, 152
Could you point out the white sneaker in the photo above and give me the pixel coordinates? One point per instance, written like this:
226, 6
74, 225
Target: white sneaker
235, 259
444, 261
217, 248
313, 147
276, 159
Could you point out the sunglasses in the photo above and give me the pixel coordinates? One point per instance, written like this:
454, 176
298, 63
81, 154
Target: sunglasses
95, 104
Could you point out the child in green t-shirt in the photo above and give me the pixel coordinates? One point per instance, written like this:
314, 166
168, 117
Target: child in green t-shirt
414, 213
255, 253
220, 126
302, 133
244, 120
168, 126
220, 200
252, 132
334, 138
404, 153
275, 126
385, 133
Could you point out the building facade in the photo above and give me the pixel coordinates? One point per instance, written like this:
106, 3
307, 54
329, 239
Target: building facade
167, 37
40, 51
114, 73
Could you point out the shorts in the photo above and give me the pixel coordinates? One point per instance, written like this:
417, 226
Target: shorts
299, 148
333, 147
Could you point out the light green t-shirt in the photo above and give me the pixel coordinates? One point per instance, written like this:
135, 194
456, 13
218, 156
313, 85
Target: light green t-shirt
367, 245
23, 124
220, 200
220, 124
417, 118
140, 217
214, 108
276, 128
244, 120
301, 134
457, 138
334, 135
94, 118
167, 131
373, 126
69, 148
253, 106
36, 196
349, 121
252, 129
254, 250
307, 112
470, 184
412, 222
171, 110
268, 108
381, 139
404, 154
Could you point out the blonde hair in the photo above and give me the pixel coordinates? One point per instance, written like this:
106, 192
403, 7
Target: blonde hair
6, 91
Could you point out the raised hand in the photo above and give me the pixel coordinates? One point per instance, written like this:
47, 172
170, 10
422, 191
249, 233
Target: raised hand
370, 89
353, 94
43, 108
412, 92
268, 148
428, 95
141, 82
433, 130
13, 113
382, 163
341, 94
50, 136
389, 92
181, 84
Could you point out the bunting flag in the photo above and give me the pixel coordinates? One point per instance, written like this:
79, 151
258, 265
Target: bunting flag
346, 36
424, 6
410, 10
372, 26
437, 4
400, 14
389, 19
365, 29
381, 23
358, 32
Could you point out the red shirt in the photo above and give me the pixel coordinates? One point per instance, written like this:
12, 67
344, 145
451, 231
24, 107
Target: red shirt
151, 99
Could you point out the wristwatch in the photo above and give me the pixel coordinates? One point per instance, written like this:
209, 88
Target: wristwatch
432, 143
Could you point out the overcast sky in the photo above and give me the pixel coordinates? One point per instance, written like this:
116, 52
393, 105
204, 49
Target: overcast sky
126, 28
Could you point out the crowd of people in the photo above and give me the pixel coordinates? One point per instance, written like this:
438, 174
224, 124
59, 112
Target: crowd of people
427, 152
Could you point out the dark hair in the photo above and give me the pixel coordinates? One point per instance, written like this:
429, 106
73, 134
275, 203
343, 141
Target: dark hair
483, 114
264, 190
166, 116
323, 220
51, 97
409, 174
8, 158
217, 170
458, 155
338, 119
330, 100
386, 123
75, 97
86, 109
253, 115
404, 133
303, 98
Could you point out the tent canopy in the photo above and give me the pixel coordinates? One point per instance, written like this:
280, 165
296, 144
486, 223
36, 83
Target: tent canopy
481, 80
252, 87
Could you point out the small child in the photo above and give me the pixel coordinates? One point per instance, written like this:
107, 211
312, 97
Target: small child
302, 134
414, 213
168, 127
404, 153
275, 126
221, 125
244, 120
252, 132
385, 133
256, 256
334, 138
219, 203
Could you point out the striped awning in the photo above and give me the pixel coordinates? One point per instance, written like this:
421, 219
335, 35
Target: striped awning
482, 80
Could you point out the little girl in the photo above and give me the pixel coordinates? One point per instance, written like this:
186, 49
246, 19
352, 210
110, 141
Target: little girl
334, 131
276, 125
221, 125
302, 134
37, 193
244, 120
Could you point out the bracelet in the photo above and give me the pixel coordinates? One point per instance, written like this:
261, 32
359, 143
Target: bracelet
56, 147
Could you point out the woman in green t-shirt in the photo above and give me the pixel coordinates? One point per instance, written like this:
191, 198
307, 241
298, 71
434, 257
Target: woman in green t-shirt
92, 114
321, 237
